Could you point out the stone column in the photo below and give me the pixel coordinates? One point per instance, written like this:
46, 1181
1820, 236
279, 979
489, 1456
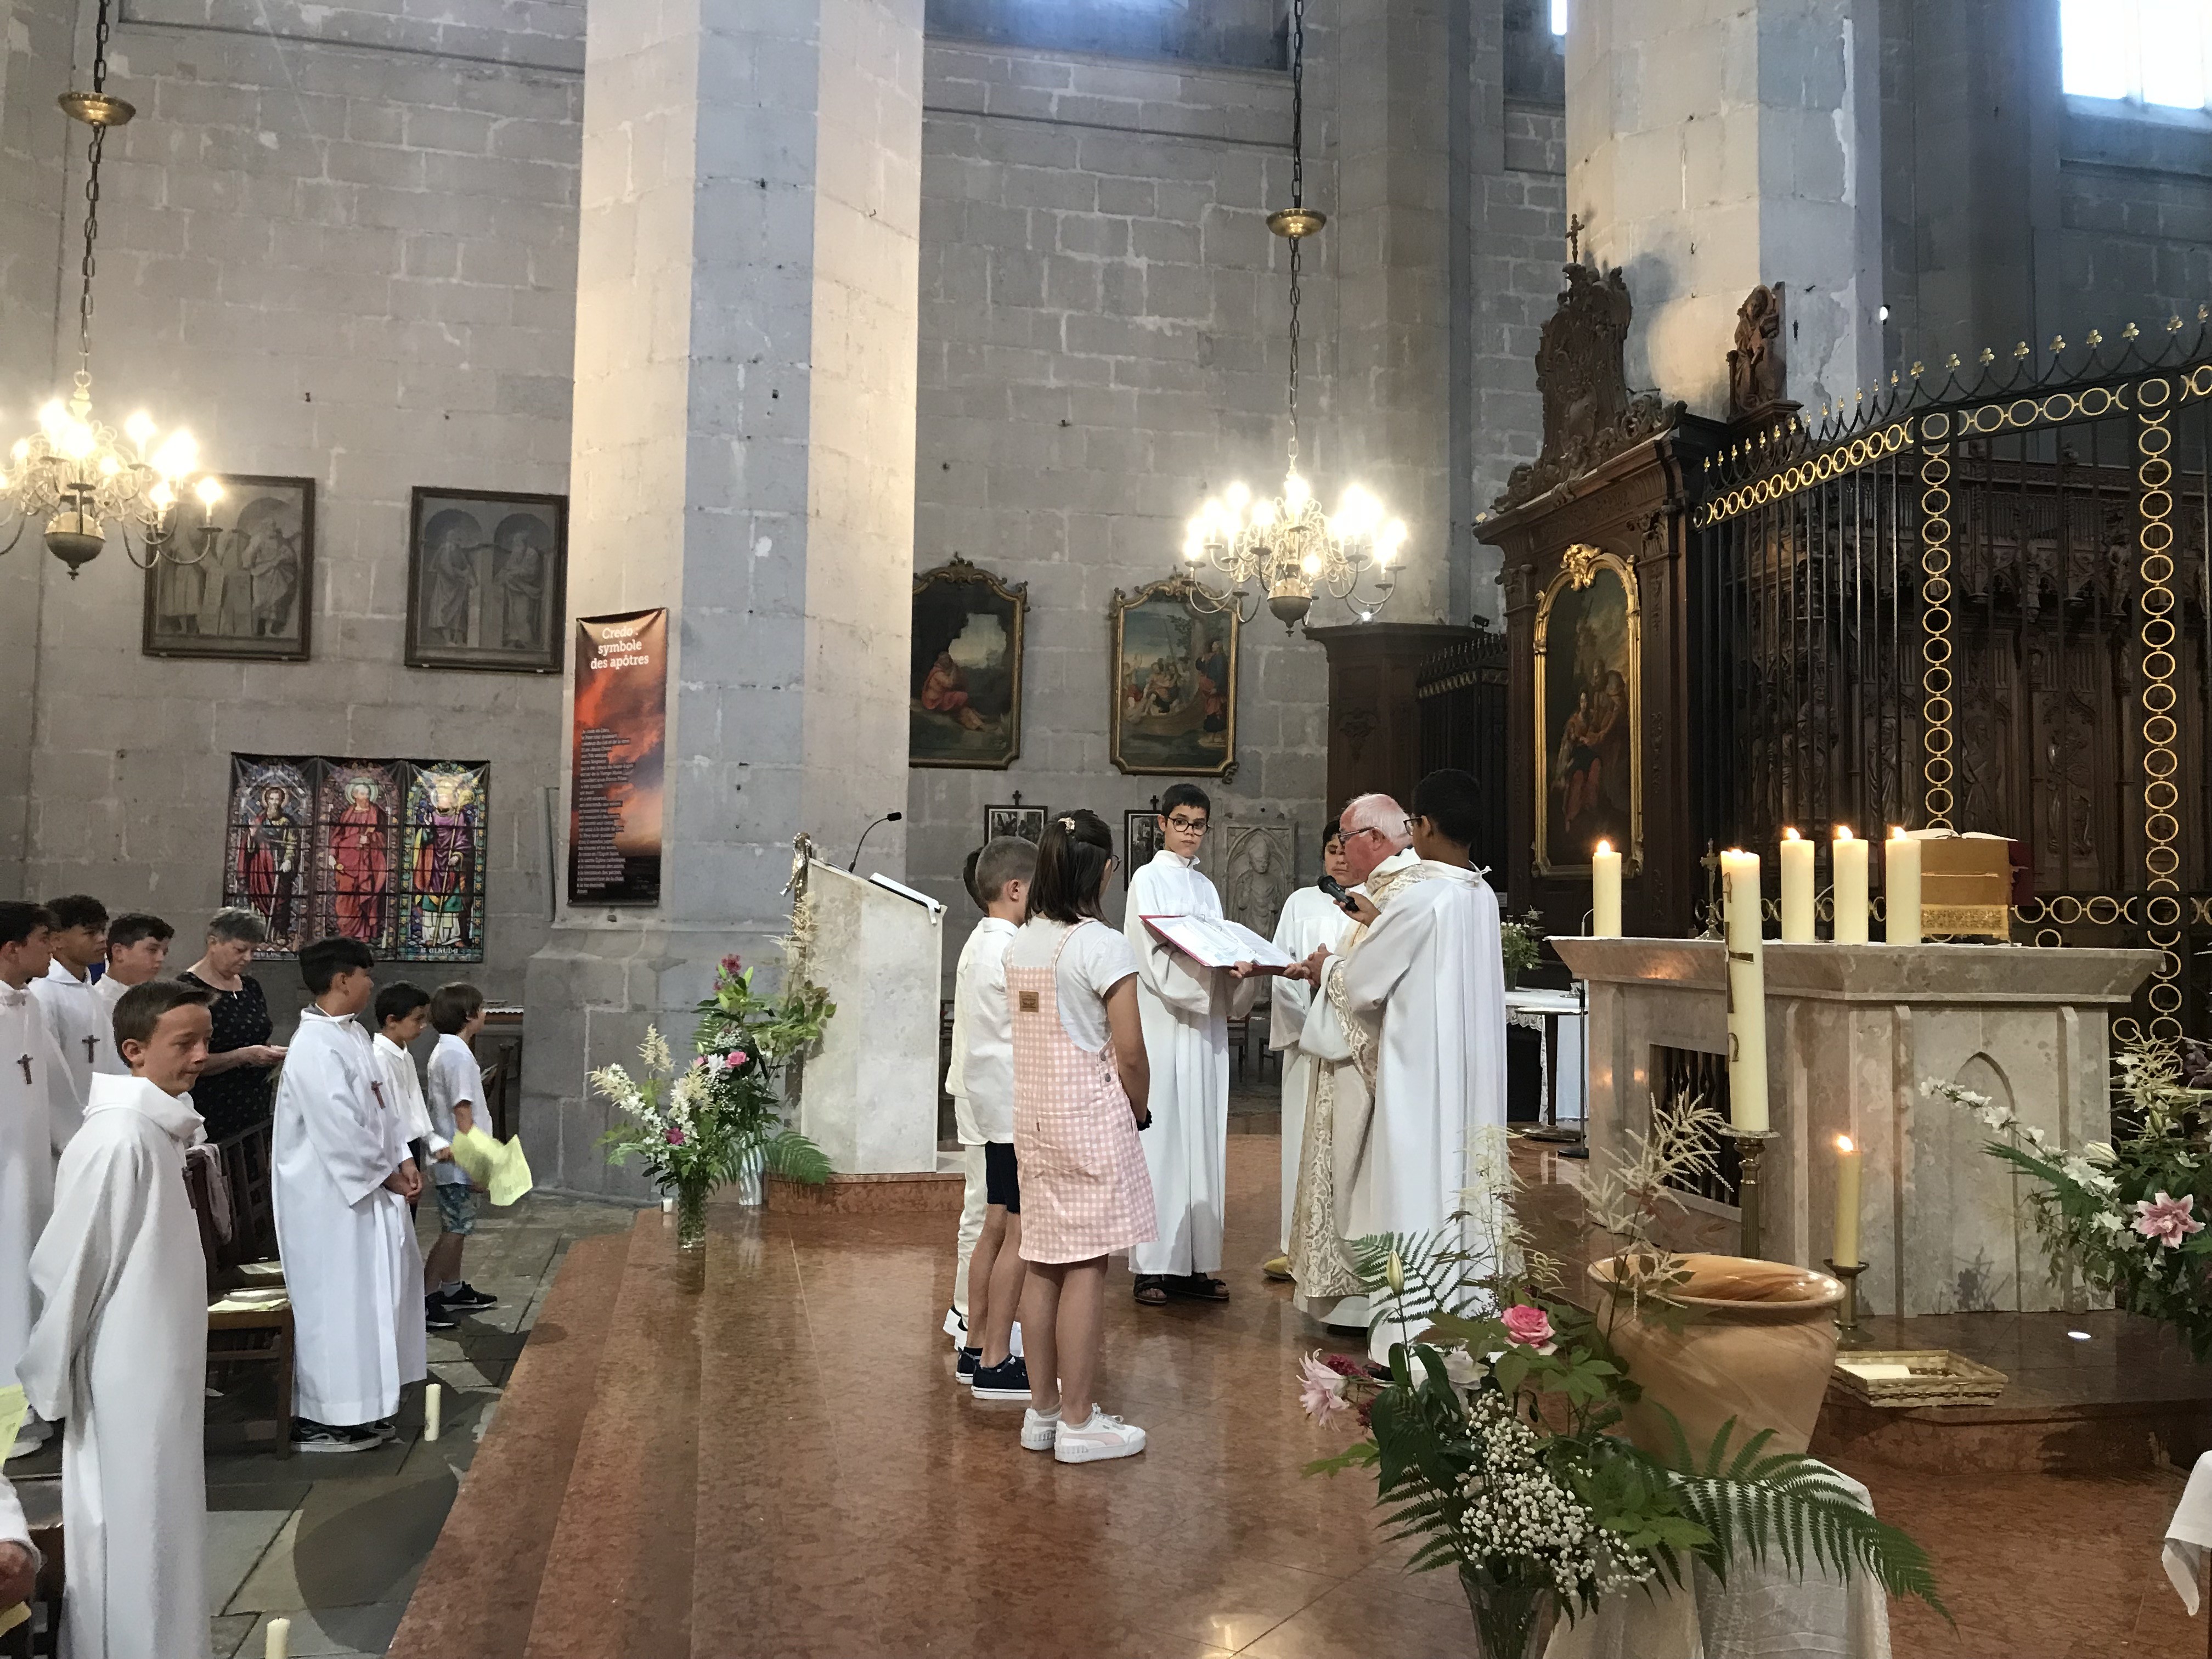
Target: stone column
1714, 145
747, 297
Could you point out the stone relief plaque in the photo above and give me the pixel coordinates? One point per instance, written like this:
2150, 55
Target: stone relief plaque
487, 581
250, 597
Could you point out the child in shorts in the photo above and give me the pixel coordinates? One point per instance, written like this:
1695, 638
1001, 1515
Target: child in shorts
453, 1088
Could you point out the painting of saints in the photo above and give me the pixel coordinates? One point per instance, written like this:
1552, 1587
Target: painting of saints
360, 865
450, 540
1588, 712
966, 689
945, 691
1175, 692
267, 871
443, 822
522, 550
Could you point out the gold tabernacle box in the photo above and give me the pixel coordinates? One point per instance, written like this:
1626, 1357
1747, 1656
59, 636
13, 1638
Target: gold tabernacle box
1966, 885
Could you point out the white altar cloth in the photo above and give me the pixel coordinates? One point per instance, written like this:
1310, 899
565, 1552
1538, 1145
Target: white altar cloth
2188, 1535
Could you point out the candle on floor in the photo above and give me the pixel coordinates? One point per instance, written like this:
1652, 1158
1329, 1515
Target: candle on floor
1900, 877
433, 1411
1850, 888
279, 1645
1605, 892
1747, 991
1796, 889
1848, 1159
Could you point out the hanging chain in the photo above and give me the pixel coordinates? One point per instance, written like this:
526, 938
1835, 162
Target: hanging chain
1298, 194
89, 264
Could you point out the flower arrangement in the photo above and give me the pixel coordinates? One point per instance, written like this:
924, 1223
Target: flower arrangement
1491, 1432
718, 1119
1521, 942
2127, 1216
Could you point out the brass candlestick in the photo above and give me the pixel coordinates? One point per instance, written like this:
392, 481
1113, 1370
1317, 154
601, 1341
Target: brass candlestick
1750, 1148
1850, 1332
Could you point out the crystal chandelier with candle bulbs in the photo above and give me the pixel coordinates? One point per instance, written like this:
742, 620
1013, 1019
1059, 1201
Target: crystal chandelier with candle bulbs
75, 475
1287, 548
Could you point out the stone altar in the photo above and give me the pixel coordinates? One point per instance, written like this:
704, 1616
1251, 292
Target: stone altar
1852, 1030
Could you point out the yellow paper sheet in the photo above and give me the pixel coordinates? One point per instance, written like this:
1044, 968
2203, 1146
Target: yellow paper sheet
12, 1407
500, 1167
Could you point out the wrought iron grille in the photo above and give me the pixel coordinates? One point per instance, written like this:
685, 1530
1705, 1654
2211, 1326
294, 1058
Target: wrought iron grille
1682, 1075
1461, 695
1983, 604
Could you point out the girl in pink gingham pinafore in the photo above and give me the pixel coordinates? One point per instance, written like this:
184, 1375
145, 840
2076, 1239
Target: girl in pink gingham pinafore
1085, 1192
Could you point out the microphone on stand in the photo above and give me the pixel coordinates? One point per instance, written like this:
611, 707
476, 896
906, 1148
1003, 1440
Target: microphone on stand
888, 817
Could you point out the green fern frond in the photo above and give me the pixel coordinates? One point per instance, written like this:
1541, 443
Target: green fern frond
795, 1157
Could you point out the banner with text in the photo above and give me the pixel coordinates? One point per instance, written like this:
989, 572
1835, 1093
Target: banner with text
617, 759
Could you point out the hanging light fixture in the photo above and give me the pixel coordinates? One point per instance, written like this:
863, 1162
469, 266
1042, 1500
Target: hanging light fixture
1287, 545
77, 475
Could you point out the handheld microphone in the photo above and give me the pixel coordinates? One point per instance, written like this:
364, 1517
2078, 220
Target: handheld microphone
1335, 889
888, 817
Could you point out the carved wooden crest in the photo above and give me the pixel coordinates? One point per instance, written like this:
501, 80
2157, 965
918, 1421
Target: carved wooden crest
1579, 561
1589, 413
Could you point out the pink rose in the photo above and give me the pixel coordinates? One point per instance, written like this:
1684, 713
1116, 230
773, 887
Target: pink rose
1321, 1389
1530, 1327
699, 1061
676, 1137
734, 1059
2168, 1219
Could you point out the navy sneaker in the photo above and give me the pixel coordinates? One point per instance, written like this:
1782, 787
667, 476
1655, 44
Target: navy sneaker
1008, 1380
970, 1359
465, 1295
436, 1316
309, 1435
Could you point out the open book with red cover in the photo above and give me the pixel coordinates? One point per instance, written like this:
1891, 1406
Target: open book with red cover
1217, 942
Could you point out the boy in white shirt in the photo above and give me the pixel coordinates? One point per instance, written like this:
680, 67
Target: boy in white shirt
137, 950
455, 1087
402, 1012
981, 1083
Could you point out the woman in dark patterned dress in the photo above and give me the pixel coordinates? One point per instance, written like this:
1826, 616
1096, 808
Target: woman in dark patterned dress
232, 1093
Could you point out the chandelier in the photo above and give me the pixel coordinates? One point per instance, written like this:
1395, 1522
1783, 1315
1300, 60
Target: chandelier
1286, 545
75, 474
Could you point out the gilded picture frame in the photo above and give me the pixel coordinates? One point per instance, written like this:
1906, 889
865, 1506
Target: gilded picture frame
1173, 694
1589, 658
964, 686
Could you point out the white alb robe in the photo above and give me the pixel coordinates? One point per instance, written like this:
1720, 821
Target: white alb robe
110, 990
120, 1353
347, 1244
30, 1079
1428, 982
1186, 1011
83, 1031
1309, 919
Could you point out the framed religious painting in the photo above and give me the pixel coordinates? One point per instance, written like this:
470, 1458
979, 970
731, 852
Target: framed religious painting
1175, 680
964, 686
1140, 838
1588, 646
487, 581
1027, 821
357, 816
249, 597
269, 862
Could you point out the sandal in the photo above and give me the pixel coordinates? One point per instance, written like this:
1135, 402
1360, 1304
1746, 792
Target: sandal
1152, 1289
1197, 1287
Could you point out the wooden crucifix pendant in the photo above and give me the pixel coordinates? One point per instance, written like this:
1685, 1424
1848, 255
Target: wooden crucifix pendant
91, 1043
24, 1060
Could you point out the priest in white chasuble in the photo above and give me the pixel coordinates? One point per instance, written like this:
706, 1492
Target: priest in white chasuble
1310, 920
119, 1355
341, 1180
1186, 1010
31, 1087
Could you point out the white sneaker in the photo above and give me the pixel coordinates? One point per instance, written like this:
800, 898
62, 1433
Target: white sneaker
955, 1326
1039, 1429
1102, 1437
1016, 1349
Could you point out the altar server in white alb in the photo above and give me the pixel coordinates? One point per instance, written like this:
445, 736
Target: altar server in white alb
1186, 1010
33, 1097
119, 1355
1428, 982
75, 1012
342, 1177
137, 950
1310, 920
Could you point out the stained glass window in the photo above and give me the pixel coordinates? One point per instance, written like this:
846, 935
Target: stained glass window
388, 851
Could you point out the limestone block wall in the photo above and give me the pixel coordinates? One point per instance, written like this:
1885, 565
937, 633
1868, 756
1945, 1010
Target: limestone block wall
349, 265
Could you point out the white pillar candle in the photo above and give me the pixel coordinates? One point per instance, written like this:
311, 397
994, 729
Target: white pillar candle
279, 1644
1848, 1159
1850, 888
1900, 877
433, 1411
1746, 991
1605, 892
1796, 889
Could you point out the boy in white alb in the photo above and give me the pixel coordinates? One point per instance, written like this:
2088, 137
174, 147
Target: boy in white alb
137, 950
981, 1083
119, 1351
75, 1015
31, 1096
341, 1177
454, 1090
402, 1013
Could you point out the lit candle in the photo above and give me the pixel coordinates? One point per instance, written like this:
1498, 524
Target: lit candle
1796, 889
1605, 892
279, 1644
1900, 876
1746, 991
1850, 888
1847, 1202
434, 1411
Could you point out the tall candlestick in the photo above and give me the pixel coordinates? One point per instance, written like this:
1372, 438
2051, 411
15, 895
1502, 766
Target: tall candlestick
434, 1414
1605, 892
1848, 1159
1796, 889
279, 1643
1900, 876
1747, 993
1850, 888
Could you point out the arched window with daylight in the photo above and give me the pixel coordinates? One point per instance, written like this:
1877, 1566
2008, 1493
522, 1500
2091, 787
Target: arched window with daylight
2156, 54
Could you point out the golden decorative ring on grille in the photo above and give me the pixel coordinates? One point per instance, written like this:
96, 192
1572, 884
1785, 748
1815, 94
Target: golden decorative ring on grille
2164, 863
2162, 907
2066, 910
2022, 412
2104, 910
2199, 381
2059, 407
2030, 913
2125, 1030
2049, 939
2204, 908
2152, 394
2105, 402
2163, 910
